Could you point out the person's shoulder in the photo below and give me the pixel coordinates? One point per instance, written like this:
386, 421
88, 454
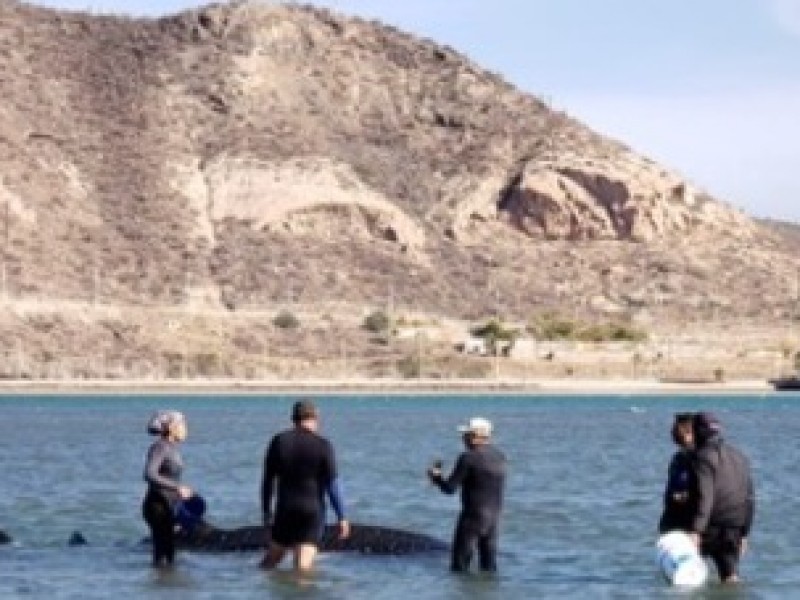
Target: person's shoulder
499, 453
159, 444
281, 435
323, 441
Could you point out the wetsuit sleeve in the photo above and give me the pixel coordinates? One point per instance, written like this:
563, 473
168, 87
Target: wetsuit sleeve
452, 483
155, 457
751, 507
336, 498
704, 471
331, 482
268, 480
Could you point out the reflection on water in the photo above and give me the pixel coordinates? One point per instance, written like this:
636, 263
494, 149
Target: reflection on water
583, 495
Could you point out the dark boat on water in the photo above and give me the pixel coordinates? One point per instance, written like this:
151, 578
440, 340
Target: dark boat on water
790, 383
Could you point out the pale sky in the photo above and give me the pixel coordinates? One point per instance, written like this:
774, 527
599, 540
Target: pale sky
710, 88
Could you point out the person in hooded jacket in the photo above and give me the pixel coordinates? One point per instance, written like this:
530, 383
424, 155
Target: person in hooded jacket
723, 513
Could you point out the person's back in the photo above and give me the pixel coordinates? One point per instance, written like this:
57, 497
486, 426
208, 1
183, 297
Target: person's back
482, 488
304, 467
725, 497
732, 490
302, 462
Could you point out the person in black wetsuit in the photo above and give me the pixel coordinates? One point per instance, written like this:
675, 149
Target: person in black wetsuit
480, 473
162, 472
725, 505
303, 465
679, 493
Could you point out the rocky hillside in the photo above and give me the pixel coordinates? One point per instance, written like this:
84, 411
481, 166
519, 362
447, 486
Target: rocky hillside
251, 157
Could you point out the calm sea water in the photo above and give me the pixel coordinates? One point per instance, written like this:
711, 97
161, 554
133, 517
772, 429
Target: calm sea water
584, 492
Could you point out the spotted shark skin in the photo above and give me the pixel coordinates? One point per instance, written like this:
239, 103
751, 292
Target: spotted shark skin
366, 539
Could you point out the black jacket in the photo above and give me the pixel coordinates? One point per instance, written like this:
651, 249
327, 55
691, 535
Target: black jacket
480, 473
725, 496
680, 495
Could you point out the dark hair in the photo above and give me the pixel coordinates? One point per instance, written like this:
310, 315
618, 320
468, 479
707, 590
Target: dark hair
302, 410
681, 420
705, 426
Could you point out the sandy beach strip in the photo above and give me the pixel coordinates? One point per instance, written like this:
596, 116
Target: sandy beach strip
576, 387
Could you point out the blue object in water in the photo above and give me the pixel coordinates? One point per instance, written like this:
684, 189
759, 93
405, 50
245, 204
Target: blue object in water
189, 512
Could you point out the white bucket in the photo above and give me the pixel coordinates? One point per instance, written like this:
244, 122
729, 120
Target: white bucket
679, 560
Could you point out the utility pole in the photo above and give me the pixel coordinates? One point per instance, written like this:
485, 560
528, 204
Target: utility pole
95, 283
6, 227
419, 354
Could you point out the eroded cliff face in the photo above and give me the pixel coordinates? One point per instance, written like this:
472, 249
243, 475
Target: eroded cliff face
234, 152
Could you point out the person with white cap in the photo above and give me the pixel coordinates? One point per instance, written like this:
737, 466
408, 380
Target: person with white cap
480, 472
162, 472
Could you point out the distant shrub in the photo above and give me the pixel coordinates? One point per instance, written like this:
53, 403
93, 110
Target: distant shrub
286, 320
493, 332
552, 327
627, 333
376, 322
409, 366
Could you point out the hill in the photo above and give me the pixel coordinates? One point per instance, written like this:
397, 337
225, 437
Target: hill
171, 185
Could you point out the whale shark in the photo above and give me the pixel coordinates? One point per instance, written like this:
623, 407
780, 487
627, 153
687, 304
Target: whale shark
366, 539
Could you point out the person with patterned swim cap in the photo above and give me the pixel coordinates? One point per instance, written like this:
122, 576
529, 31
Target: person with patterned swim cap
165, 492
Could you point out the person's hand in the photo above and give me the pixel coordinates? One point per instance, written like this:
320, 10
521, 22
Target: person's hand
743, 547
185, 492
344, 529
435, 471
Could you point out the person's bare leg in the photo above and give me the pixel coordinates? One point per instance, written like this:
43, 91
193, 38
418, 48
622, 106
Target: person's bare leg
304, 555
273, 556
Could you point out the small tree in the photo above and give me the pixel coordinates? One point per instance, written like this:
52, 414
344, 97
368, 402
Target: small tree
493, 331
376, 322
286, 320
409, 366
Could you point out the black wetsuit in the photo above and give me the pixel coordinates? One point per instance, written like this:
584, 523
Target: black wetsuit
162, 472
680, 495
480, 472
725, 502
304, 466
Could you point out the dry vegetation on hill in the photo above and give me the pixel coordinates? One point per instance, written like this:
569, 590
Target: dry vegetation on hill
169, 186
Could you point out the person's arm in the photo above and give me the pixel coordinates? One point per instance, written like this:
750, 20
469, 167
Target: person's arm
268, 481
704, 472
452, 483
336, 498
334, 492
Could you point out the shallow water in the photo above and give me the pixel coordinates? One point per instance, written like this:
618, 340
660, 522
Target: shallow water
583, 497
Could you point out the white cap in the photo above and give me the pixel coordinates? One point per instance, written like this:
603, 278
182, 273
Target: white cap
478, 426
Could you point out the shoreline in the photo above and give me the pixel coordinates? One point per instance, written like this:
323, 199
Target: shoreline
393, 387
